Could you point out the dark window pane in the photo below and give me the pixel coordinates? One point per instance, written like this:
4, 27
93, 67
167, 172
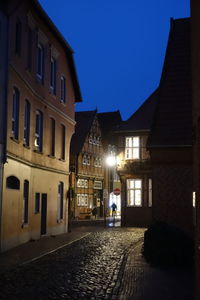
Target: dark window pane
13, 182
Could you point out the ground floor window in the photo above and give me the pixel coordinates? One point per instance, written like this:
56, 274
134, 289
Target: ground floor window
134, 192
26, 197
60, 200
150, 192
82, 199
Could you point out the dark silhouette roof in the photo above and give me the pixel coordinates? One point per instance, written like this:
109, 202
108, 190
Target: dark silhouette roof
172, 124
84, 120
108, 120
140, 120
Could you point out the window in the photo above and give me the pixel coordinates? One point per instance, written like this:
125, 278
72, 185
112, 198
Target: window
150, 192
37, 203
15, 114
97, 162
86, 159
29, 49
13, 183
82, 199
53, 75
132, 150
27, 122
39, 131
60, 200
82, 183
52, 144
40, 62
18, 30
63, 90
63, 142
26, 197
134, 192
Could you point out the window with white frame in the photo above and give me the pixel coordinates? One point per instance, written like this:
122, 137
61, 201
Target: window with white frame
134, 192
150, 192
63, 89
83, 183
97, 162
132, 149
86, 159
39, 130
15, 114
40, 61
53, 76
82, 199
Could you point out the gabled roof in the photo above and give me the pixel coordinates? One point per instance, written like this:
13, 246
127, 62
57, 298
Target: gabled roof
108, 120
141, 120
84, 120
172, 124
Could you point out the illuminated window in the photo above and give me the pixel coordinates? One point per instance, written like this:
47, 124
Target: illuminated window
40, 62
82, 199
132, 150
83, 183
27, 110
53, 75
134, 192
63, 89
86, 159
39, 131
15, 114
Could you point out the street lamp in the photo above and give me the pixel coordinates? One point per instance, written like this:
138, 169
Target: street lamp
110, 162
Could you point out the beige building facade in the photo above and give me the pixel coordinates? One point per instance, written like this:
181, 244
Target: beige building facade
42, 88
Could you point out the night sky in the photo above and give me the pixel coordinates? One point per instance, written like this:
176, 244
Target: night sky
119, 47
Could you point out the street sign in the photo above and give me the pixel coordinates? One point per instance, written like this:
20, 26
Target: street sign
117, 192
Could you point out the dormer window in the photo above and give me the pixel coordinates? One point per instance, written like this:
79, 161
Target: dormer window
132, 149
90, 139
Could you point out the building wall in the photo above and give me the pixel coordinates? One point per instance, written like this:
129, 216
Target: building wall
43, 171
135, 169
93, 174
173, 187
195, 11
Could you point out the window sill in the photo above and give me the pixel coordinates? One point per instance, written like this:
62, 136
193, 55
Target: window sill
38, 151
26, 146
61, 159
14, 140
51, 156
63, 102
25, 225
60, 221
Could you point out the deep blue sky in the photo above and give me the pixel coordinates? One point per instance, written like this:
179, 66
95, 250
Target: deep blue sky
119, 47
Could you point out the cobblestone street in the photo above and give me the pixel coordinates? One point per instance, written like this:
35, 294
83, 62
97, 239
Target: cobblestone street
86, 269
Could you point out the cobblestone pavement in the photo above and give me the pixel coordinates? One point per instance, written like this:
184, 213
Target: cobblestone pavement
90, 268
